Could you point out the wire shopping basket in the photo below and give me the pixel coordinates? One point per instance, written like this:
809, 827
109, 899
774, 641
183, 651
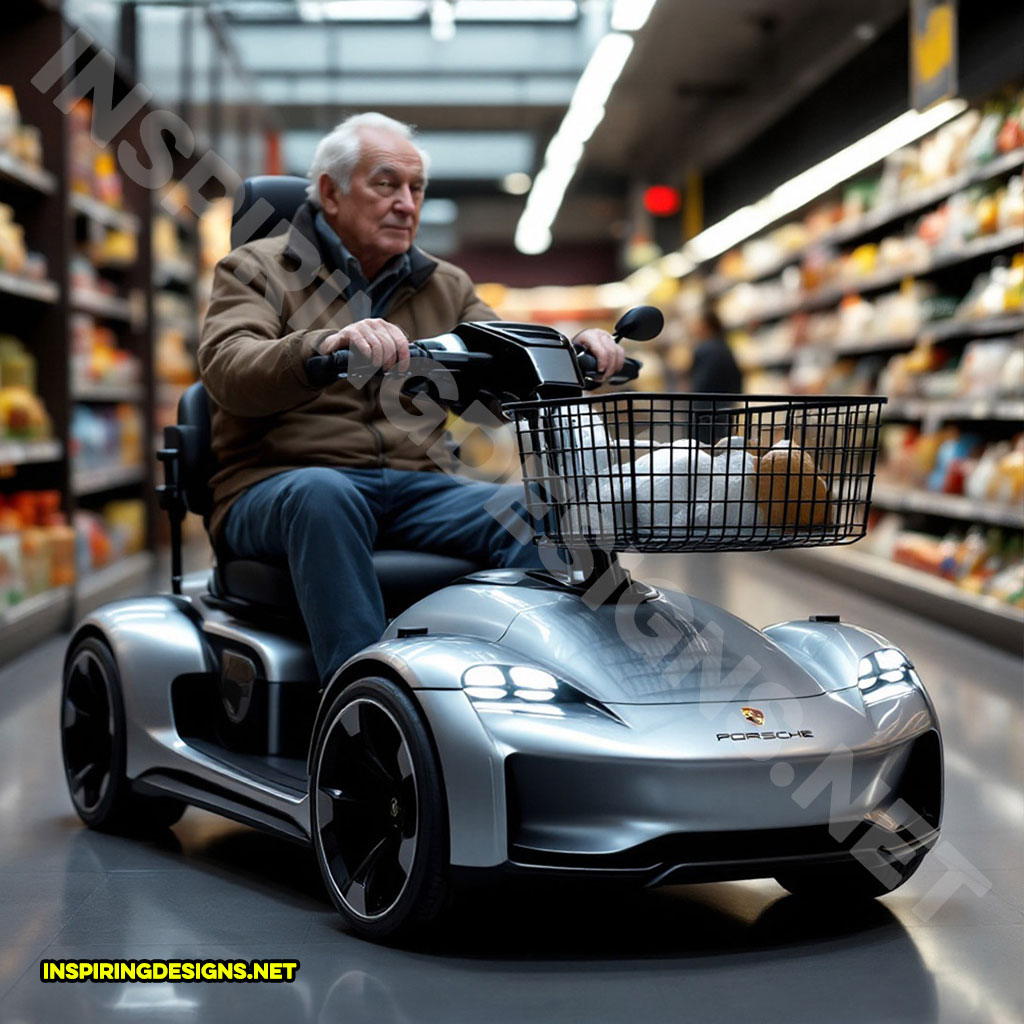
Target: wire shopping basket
673, 472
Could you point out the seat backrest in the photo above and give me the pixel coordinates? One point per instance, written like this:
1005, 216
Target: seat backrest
192, 439
285, 194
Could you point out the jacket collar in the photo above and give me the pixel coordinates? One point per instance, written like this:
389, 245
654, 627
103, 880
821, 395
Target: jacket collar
302, 234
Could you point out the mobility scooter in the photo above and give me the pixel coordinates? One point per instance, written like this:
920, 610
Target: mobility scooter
570, 721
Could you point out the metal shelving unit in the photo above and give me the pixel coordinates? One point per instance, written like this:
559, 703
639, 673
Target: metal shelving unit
103, 213
942, 330
939, 600
88, 392
951, 506
988, 245
85, 482
19, 173
876, 219
29, 288
26, 453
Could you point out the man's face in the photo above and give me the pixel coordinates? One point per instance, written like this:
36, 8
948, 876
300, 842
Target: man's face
379, 215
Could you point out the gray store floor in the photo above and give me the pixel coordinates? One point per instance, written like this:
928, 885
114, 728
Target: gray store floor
949, 946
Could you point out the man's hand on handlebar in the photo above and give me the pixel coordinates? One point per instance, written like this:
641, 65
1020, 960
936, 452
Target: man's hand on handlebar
383, 344
603, 347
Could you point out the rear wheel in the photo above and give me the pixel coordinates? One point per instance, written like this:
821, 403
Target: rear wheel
93, 745
378, 812
851, 881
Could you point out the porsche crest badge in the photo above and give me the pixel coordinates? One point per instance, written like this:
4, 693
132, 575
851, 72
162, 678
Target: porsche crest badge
755, 715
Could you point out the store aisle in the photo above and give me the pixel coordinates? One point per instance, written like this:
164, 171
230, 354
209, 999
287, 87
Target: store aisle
935, 950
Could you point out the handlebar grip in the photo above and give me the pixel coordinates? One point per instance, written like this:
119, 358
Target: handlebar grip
588, 364
321, 370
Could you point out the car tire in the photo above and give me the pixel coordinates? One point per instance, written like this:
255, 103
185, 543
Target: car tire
93, 747
848, 882
378, 814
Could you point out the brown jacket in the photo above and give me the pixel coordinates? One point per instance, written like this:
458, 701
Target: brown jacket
273, 302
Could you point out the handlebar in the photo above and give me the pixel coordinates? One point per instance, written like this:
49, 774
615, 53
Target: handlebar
322, 370
588, 364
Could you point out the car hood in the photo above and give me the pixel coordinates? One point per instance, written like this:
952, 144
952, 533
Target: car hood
669, 649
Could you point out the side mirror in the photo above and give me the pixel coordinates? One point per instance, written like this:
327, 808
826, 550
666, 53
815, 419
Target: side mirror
641, 323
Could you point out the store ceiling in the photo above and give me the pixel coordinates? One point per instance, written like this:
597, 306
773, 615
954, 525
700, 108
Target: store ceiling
703, 79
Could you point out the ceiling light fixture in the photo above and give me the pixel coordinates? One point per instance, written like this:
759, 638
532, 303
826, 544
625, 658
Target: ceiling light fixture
586, 109
816, 180
461, 10
362, 10
442, 20
631, 15
516, 10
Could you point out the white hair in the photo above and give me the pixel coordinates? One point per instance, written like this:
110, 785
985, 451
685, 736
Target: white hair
337, 154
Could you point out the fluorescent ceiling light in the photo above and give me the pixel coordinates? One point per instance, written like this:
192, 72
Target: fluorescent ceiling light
362, 10
817, 180
461, 10
516, 10
631, 15
442, 20
675, 264
586, 109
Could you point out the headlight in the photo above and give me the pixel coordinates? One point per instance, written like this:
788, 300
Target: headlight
524, 688
886, 668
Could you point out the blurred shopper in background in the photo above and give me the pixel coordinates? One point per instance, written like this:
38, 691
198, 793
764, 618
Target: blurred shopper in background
714, 371
320, 477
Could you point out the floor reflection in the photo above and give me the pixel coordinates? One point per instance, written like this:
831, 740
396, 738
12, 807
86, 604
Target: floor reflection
512, 951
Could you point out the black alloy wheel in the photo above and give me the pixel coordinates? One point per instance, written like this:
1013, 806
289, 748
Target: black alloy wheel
93, 745
379, 819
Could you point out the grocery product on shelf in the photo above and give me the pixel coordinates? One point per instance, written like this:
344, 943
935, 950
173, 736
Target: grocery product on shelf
984, 562
36, 545
947, 460
104, 537
21, 141
105, 436
96, 357
93, 168
23, 415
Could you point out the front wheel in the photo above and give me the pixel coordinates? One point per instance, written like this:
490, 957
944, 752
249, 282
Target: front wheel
92, 732
378, 812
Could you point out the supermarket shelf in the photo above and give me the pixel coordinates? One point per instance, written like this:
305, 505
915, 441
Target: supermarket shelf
1009, 409
95, 481
169, 272
831, 294
104, 214
879, 218
109, 306
114, 581
178, 323
990, 325
939, 600
29, 288
85, 392
25, 624
25, 175
942, 330
953, 506
168, 394
21, 453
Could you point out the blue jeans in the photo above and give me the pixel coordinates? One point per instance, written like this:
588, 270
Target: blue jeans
326, 523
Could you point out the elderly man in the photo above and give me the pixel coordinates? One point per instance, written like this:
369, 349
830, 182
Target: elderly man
320, 477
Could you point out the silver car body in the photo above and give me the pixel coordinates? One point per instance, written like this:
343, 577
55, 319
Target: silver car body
698, 747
